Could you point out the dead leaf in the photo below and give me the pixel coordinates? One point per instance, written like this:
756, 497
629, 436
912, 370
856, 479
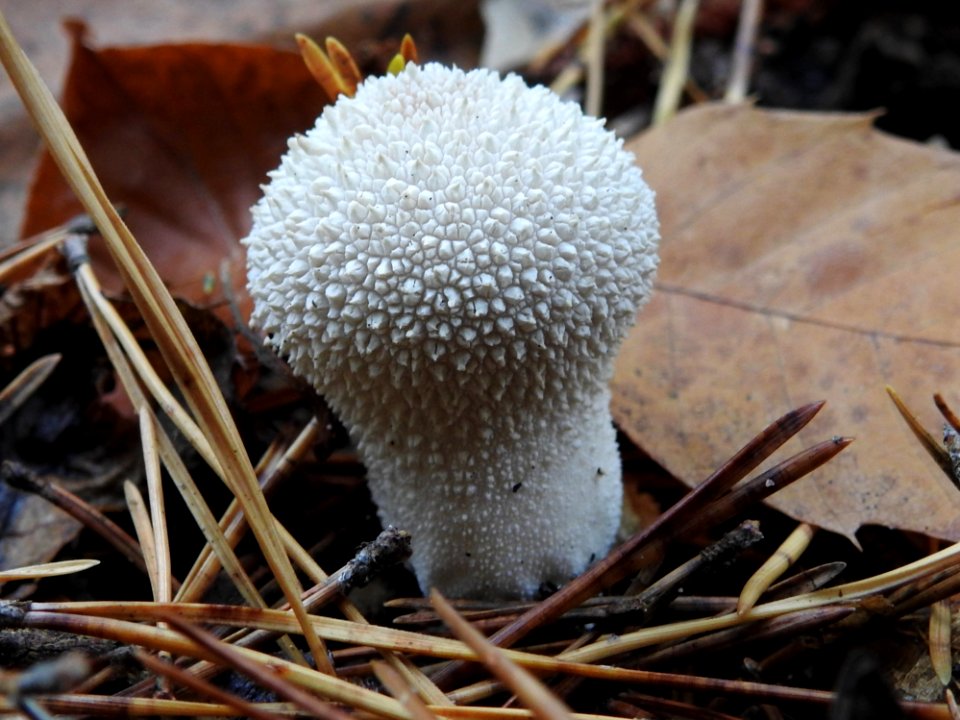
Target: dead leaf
30, 305
31, 530
66, 431
181, 136
446, 31
805, 257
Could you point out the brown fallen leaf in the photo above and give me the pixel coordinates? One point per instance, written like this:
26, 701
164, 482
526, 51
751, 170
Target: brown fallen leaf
447, 31
804, 257
181, 136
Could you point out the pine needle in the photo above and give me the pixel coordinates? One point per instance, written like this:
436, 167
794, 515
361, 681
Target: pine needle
167, 326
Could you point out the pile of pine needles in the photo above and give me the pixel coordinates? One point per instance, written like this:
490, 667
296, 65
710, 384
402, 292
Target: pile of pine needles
586, 650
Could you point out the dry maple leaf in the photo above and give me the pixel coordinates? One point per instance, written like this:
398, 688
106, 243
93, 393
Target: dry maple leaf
805, 256
181, 136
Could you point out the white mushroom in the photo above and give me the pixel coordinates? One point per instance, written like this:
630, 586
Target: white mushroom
453, 259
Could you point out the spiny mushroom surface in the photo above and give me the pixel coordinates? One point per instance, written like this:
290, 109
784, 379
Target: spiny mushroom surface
453, 259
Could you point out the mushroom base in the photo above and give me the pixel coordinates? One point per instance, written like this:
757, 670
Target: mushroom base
530, 508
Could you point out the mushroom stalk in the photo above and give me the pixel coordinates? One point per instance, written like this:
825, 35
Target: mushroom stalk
453, 259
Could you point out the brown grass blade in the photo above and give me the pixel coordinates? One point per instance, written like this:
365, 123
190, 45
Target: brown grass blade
952, 705
22, 259
784, 628
645, 31
807, 581
594, 47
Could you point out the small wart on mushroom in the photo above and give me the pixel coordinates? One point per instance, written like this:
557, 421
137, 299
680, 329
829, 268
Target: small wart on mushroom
452, 259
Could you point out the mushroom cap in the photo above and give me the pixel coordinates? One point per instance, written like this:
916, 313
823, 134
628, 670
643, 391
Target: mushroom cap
450, 219
453, 259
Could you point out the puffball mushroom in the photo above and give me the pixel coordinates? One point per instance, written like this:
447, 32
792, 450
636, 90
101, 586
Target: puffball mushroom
452, 259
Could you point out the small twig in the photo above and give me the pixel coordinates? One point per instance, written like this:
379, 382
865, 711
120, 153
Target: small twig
951, 443
390, 547
743, 536
393, 547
